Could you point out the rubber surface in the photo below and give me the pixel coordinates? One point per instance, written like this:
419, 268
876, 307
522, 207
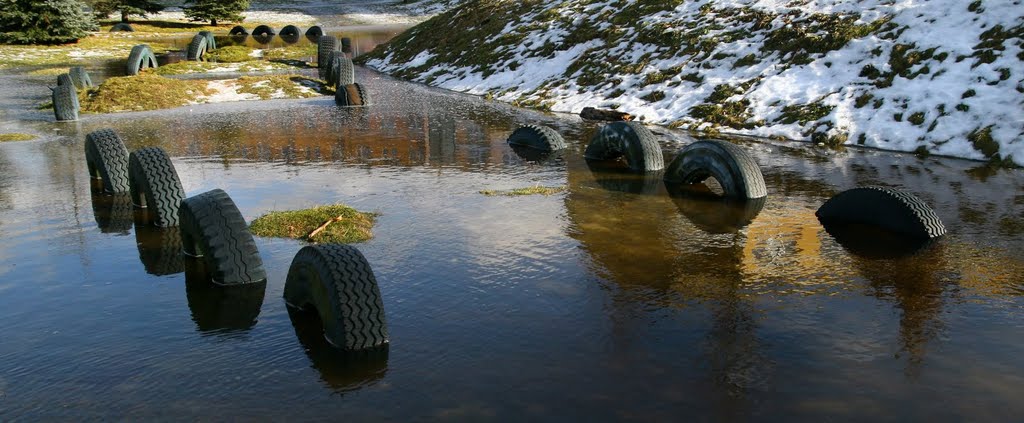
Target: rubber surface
211, 42
325, 46
154, 184
80, 77
290, 31
64, 79
730, 165
887, 208
314, 33
238, 30
113, 212
342, 71
337, 281
537, 137
141, 57
213, 228
197, 48
159, 249
351, 95
107, 159
346, 45
122, 26
65, 102
262, 31
341, 370
630, 140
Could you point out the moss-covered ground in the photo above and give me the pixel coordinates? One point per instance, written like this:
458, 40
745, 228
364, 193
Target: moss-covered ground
7, 137
343, 224
517, 192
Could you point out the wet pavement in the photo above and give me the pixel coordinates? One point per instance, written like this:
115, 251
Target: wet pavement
614, 300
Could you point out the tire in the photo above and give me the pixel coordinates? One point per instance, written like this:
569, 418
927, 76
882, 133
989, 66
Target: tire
211, 42
213, 228
342, 71
325, 46
197, 48
340, 370
238, 30
337, 281
107, 159
153, 183
65, 102
290, 31
140, 58
630, 140
346, 45
64, 79
314, 33
263, 31
113, 213
886, 208
80, 78
873, 243
351, 95
328, 70
529, 154
219, 308
537, 137
713, 214
121, 26
159, 249
263, 39
730, 165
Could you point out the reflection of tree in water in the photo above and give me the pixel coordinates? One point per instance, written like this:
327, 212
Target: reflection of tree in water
341, 371
645, 242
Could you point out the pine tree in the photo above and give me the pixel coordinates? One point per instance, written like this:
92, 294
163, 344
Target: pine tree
213, 10
126, 8
44, 21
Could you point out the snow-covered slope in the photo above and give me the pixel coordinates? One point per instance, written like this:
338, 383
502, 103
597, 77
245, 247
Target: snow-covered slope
943, 76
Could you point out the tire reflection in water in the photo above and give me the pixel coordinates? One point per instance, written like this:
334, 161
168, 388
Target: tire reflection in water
159, 248
340, 370
113, 212
218, 308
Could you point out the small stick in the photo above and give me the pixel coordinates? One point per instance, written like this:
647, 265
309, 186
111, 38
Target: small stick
322, 227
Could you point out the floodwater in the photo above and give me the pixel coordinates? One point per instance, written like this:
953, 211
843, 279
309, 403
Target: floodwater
612, 301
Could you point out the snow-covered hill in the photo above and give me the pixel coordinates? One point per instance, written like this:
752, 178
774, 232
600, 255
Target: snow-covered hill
943, 76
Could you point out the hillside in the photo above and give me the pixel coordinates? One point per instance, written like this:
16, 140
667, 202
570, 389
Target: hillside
941, 76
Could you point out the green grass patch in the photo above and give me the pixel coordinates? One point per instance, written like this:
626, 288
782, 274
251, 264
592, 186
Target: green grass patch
534, 190
281, 86
48, 72
231, 54
343, 224
95, 46
297, 52
16, 137
188, 67
141, 92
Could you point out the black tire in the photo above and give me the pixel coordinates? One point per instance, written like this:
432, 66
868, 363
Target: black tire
213, 228
314, 33
890, 209
263, 31
346, 45
238, 30
537, 137
65, 102
325, 46
338, 282
64, 79
211, 42
342, 371
107, 158
220, 308
713, 214
630, 140
290, 31
154, 184
351, 95
197, 48
159, 249
529, 154
730, 165
140, 58
329, 70
263, 39
113, 212
80, 77
121, 26
342, 71
874, 243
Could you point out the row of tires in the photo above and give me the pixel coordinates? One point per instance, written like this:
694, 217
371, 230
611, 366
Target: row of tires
202, 43
334, 281
335, 66
739, 176
65, 94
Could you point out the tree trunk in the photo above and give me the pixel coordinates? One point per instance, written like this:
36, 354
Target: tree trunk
124, 16
213, 22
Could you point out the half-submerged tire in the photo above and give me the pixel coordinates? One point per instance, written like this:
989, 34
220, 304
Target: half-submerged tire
197, 48
314, 33
338, 282
346, 45
65, 101
341, 370
154, 184
630, 140
80, 77
537, 137
122, 26
211, 42
212, 228
886, 208
290, 31
238, 30
262, 31
107, 158
140, 58
730, 165
325, 46
342, 71
351, 95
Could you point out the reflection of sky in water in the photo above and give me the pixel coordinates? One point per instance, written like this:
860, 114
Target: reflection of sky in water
613, 299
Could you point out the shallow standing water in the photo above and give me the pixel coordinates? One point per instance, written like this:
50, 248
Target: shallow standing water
613, 300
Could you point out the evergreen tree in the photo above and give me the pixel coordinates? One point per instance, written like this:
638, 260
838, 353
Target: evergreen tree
43, 21
126, 8
213, 10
